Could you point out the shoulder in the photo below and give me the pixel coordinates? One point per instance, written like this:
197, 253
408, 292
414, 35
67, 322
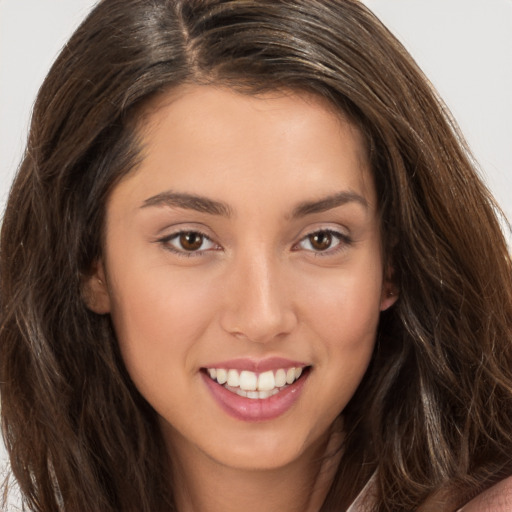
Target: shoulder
497, 498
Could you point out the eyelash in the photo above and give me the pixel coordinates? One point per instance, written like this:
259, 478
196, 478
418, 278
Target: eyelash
166, 241
343, 240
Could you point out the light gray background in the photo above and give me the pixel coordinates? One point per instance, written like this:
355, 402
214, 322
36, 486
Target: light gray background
464, 46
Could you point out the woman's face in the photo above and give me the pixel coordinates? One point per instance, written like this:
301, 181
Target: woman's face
245, 247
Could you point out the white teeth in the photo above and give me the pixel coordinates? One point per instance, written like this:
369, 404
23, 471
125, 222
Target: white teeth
248, 380
222, 376
252, 385
280, 378
233, 378
266, 381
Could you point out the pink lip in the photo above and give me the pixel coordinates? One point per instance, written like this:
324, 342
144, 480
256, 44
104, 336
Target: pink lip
257, 365
263, 409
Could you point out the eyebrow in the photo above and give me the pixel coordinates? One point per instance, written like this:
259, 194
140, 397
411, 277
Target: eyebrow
212, 207
189, 202
328, 203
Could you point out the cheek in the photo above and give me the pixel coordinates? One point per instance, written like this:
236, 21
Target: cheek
343, 312
345, 305
159, 315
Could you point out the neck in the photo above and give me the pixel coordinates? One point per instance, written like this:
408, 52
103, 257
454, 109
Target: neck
203, 485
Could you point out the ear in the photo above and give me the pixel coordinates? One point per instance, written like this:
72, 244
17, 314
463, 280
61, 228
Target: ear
95, 290
389, 293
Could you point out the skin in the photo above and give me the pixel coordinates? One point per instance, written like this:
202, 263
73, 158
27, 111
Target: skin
257, 287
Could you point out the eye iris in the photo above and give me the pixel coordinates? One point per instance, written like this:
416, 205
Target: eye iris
191, 241
321, 240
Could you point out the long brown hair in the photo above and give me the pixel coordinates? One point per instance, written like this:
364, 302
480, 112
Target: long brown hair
434, 410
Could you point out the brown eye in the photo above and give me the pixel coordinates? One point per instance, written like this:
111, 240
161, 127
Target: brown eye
324, 242
191, 241
321, 240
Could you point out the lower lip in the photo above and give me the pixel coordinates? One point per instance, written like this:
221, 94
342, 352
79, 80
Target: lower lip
258, 409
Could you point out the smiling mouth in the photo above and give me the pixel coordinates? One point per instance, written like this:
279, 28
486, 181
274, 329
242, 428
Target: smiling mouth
256, 385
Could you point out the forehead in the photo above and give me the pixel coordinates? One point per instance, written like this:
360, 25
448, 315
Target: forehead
218, 142
189, 103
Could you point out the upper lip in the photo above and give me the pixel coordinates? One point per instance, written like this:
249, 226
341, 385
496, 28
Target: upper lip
257, 365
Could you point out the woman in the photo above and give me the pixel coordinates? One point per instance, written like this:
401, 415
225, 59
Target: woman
246, 262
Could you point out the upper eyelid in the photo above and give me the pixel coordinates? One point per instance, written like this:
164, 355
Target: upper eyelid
180, 227
343, 233
335, 233
174, 234
169, 232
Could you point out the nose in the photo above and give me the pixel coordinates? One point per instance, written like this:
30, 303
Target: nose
256, 300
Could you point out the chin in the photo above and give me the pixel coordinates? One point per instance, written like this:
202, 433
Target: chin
267, 450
